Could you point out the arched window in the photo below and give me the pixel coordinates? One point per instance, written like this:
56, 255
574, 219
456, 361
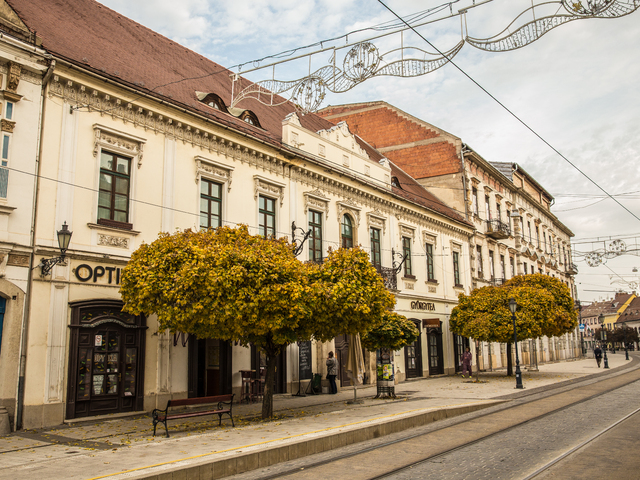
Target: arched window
347, 232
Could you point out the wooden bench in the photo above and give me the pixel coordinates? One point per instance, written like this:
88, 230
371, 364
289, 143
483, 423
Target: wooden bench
223, 405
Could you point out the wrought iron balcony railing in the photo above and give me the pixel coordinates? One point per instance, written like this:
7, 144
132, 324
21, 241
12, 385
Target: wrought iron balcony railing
389, 276
497, 229
572, 268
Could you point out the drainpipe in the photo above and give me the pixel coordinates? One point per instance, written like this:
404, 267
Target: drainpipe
464, 181
27, 299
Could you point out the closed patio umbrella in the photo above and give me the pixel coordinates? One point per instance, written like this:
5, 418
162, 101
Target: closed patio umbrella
355, 364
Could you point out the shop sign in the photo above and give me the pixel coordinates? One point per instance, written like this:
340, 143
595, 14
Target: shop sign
428, 306
86, 273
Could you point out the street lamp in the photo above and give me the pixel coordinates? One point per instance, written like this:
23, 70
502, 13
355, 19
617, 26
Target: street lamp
626, 350
64, 237
603, 337
579, 306
513, 306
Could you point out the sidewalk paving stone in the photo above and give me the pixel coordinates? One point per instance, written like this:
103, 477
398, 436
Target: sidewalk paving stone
125, 448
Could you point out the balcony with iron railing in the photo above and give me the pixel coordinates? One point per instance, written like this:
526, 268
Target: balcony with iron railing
572, 269
389, 277
497, 229
389, 274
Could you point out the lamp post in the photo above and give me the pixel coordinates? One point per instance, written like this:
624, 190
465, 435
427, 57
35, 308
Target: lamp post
579, 305
603, 337
64, 237
626, 350
513, 306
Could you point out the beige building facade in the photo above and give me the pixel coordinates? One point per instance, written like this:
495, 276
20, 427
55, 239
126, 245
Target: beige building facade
122, 160
515, 232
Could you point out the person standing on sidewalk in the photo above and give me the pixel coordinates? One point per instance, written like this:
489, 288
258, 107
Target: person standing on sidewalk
332, 372
466, 362
598, 354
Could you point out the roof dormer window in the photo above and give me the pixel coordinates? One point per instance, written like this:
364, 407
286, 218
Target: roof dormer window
250, 117
212, 100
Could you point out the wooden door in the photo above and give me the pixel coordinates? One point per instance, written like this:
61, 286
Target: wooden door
413, 357
436, 364
460, 343
106, 362
342, 353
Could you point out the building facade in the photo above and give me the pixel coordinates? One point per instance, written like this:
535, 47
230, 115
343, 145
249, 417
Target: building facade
515, 231
24, 67
136, 138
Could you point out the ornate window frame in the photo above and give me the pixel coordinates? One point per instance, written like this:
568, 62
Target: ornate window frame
376, 219
405, 230
316, 201
121, 143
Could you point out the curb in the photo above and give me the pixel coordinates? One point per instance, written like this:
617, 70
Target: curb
196, 468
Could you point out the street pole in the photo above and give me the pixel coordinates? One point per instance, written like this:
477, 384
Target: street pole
513, 307
626, 350
603, 337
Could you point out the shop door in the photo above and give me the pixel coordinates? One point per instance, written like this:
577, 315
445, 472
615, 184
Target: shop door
413, 357
459, 345
259, 365
209, 367
436, 363
106, 363
342, 353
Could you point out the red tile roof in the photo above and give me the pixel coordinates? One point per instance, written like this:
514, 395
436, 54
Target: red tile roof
90, 35
421, 150
98, 39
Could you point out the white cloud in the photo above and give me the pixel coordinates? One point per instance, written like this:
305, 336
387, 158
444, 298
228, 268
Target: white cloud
576, 87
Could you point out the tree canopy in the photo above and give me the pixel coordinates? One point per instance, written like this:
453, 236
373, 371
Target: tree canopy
394, 332
231, 285
545, 308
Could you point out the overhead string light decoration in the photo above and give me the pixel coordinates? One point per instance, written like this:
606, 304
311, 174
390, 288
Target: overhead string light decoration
611, 249
363, 59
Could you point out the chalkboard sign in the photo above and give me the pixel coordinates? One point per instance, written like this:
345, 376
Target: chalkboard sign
304, 365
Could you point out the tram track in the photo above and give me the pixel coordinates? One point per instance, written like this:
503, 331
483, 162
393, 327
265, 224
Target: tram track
409, 451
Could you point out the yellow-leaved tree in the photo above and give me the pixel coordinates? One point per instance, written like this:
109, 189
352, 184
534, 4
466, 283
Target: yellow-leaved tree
545, 308
231, 285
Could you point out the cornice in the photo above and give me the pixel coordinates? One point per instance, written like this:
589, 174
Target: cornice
79, 95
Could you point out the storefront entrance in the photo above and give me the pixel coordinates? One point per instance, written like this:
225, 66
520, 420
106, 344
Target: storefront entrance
259, 365
106, 362
436, 361
342, 354
459, 345
209, 367
413, 355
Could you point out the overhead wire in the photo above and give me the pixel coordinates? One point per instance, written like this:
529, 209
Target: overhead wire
509, 111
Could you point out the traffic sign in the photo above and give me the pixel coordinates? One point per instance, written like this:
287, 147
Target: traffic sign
581, 327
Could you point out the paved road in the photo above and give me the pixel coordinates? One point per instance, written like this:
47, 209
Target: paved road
521, 440
521, 451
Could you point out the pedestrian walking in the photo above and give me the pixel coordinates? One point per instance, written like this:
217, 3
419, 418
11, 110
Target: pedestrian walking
466, 362
332, 372
598, 354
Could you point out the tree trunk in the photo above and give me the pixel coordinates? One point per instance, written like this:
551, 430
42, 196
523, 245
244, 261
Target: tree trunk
509, 360
267, 398
477, 361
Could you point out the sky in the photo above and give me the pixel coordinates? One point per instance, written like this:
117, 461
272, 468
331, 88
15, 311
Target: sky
576, 87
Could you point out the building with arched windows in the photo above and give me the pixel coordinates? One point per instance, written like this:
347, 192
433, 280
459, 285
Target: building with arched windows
137, 136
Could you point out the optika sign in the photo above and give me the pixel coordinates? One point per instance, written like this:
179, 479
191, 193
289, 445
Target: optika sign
84, 273
431, 307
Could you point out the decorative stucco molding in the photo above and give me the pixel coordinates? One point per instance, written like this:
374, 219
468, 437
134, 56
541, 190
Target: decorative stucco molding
111, 241
119, 141
350, 207
316, 201
82, 97
375, 219
214, 170
268, 187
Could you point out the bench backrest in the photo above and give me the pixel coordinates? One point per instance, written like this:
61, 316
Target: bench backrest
200, 400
